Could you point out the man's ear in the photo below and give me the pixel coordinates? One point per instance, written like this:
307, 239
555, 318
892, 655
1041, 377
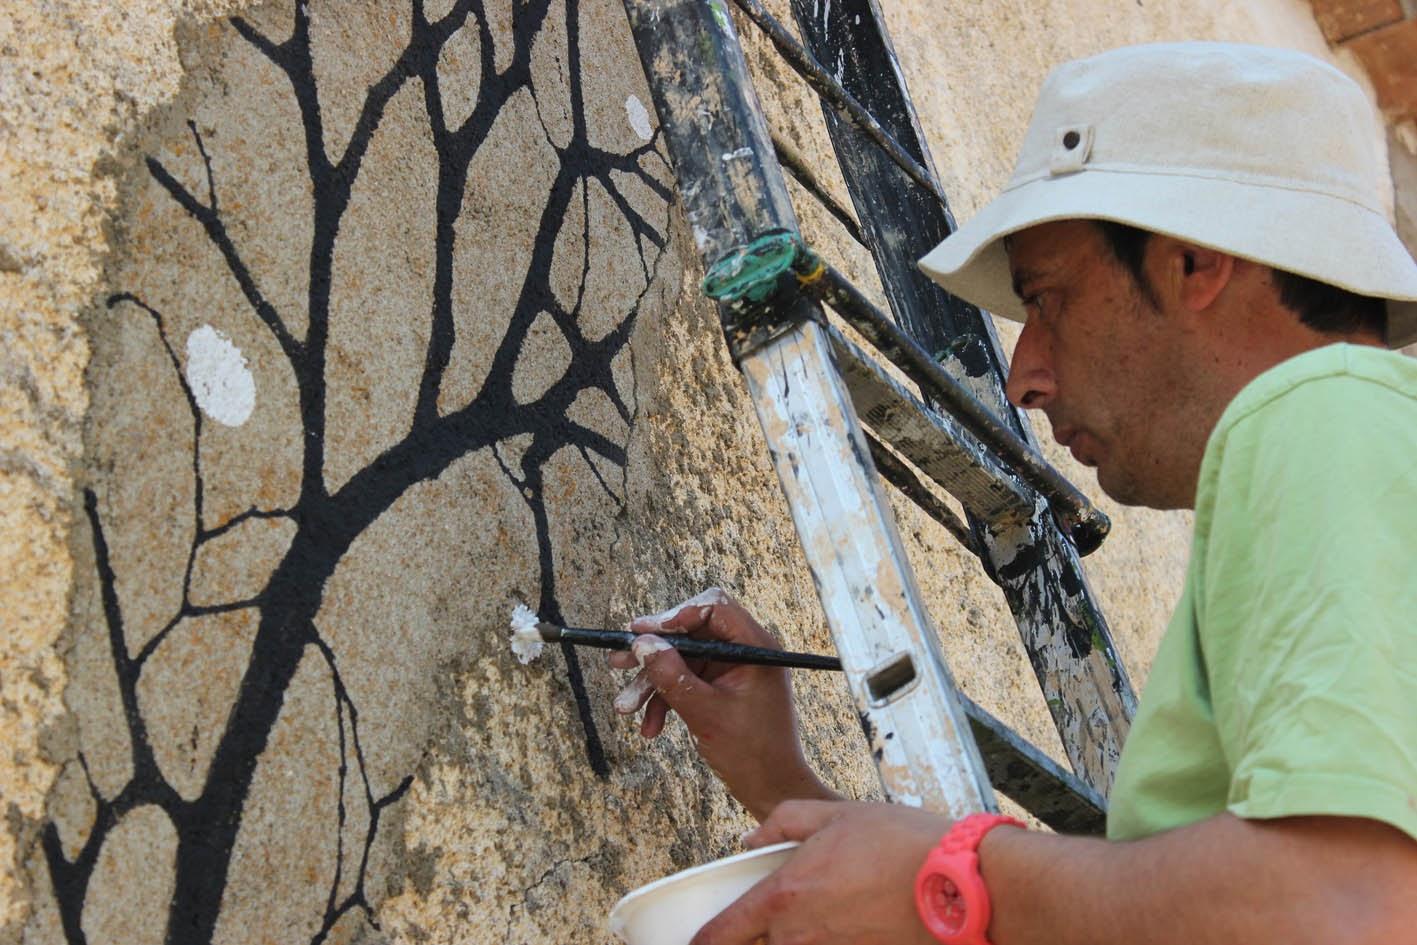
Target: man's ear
1197, 275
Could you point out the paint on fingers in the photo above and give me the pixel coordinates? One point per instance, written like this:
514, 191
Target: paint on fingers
646, 646
633, 697
704, 600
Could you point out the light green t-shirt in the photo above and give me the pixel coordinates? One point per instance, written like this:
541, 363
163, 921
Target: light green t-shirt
1286, 683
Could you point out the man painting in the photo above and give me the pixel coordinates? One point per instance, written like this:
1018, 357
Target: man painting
1195, 242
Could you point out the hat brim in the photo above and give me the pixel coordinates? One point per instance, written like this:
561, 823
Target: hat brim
1357, 249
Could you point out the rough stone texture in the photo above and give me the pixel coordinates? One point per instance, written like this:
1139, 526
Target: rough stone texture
1404, 175
255, 682
72, 75
1342, 19
1390, 56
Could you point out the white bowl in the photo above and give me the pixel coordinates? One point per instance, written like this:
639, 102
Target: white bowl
669, 911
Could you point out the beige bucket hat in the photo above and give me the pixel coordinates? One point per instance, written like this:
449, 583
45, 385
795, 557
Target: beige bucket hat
1267, 154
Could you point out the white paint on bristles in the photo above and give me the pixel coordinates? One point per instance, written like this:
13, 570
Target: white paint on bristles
639, 118
738, 155
218, 377
526, 637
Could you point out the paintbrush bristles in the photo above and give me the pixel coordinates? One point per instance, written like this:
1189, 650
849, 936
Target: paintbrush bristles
526, 638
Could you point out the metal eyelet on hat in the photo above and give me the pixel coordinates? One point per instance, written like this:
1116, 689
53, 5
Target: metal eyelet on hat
1072, 144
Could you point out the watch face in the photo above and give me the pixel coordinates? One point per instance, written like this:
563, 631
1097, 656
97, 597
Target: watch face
945, 903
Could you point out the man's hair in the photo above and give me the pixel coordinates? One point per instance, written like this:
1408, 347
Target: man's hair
1321, 306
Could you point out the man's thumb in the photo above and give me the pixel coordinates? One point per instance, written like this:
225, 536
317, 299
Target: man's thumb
792, 820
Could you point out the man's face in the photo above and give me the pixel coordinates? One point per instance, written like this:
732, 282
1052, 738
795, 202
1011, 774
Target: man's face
1097, 357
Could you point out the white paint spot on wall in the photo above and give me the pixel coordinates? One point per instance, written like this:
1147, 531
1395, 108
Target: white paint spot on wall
219, 378
639, 118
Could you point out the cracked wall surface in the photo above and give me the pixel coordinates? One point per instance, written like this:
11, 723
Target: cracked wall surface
332, 331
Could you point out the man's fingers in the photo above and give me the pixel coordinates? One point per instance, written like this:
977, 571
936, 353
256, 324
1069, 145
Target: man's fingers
793, 820
729, 620
712, 613
636, 694
656, 714
745, 922
689, 615
681, 688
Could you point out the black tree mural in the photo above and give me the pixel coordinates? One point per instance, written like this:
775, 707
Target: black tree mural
327, 521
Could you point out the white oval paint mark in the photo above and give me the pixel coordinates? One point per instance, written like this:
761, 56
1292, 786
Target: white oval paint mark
639, 118
219, 378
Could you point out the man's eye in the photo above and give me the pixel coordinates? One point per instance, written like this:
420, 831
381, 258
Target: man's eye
1041, 305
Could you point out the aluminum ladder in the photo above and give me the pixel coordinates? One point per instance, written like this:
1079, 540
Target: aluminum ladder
837, 423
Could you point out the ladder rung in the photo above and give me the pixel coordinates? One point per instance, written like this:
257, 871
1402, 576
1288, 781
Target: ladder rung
805, 65
1036, 782
937, 445
913, 488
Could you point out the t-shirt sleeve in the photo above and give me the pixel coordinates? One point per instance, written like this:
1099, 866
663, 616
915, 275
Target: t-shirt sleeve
1308, 607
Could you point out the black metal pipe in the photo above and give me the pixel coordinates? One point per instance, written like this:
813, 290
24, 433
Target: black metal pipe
805, 65
792, 162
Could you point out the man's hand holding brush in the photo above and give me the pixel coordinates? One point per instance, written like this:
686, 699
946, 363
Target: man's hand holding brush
741, 716
852, 878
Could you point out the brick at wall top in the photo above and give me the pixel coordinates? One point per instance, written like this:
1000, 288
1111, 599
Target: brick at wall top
1344, 19
1390, 57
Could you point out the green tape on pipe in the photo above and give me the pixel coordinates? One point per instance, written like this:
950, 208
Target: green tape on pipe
752, 272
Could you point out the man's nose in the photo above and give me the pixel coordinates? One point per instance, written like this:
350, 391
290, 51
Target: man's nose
1031, 383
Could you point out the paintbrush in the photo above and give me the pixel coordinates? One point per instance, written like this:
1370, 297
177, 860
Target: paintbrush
721, 651
529, 632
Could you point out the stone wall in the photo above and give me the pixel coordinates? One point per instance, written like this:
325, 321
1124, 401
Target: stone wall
334, 330
1382, 36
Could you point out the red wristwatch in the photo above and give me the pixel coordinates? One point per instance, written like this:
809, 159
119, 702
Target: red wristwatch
949, 891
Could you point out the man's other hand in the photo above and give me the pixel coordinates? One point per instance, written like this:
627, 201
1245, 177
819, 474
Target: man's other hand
852, 882
741, 716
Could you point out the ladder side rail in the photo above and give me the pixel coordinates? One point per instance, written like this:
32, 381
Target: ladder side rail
731, 190
906, 697
896, 216
1065, 634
